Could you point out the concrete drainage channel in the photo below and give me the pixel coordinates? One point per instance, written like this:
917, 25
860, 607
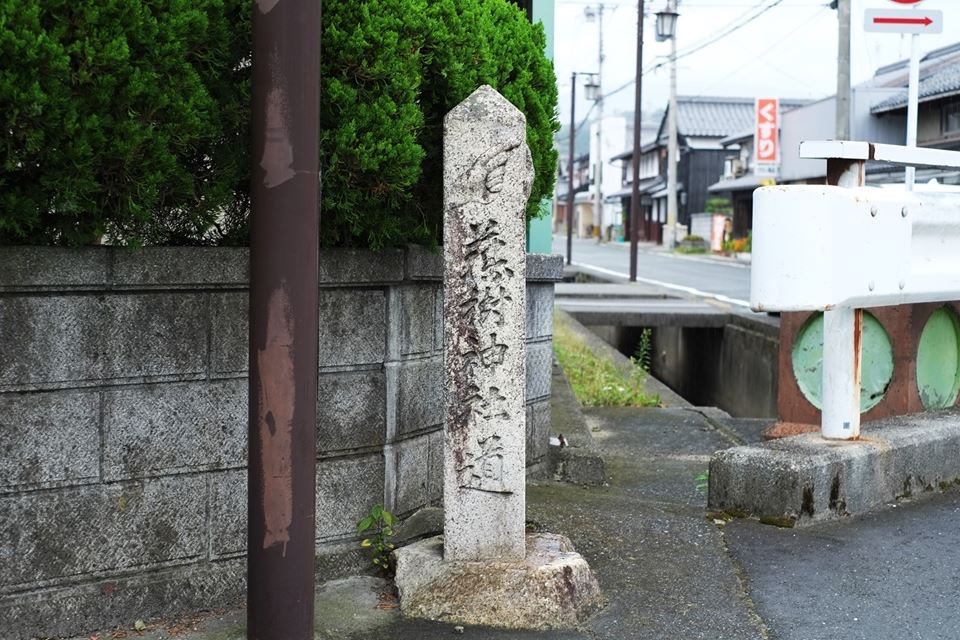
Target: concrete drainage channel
728, 359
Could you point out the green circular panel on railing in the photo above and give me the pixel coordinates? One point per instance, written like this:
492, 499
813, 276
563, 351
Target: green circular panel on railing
938, 360
876, 369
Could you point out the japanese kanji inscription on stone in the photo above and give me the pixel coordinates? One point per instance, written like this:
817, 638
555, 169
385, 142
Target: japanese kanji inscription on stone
487, 177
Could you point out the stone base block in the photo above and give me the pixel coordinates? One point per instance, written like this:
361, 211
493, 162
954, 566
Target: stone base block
552, 588
805, 479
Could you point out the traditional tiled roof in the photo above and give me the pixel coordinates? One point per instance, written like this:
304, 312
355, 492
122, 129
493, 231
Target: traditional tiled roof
714, 117
941, 82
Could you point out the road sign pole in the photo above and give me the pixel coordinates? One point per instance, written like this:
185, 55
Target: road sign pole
913, 98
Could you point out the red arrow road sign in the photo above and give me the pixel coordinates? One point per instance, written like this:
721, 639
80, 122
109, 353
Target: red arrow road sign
923, 21
903, 21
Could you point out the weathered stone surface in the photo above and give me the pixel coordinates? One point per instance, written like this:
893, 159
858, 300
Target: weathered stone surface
552, 587
154, 334
229, 343
805, 479
435, 481
544, 267
419, 395
346, 489
424, 263
42, 268
413, 473
228, 513
49, 339
539, 322
174, 428
353, 326
48, 437
487, 175
57, 340
418, 309
539, 368
538, 431
180, 267
351, 410
355, 266
101, 528
104, 603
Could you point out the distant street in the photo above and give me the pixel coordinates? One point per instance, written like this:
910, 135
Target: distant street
697, 275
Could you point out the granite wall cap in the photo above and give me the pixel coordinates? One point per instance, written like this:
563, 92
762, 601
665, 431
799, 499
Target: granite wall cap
348, 266
544, 267
180, 267
44, 268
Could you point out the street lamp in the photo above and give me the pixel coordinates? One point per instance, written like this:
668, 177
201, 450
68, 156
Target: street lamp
667, 30
667, 23
592, 87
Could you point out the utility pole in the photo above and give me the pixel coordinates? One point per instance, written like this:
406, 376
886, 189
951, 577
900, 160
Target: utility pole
284, 233
913, 98
570, 160
598, 167
843, 70
637, 120
673, 151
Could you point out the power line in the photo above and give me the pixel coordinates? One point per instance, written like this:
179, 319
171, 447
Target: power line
734, 26
756, 56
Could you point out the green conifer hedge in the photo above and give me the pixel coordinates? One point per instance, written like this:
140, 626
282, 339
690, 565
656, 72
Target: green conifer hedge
131, 118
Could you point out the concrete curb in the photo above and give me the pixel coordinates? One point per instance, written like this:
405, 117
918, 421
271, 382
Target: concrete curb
805, 479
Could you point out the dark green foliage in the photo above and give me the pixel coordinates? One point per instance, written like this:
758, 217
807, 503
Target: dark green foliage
370, 121
119, 117
131, 118
475, 42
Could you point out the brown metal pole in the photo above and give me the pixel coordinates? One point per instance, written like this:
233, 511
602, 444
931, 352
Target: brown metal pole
573, 137
284, 229
635, 192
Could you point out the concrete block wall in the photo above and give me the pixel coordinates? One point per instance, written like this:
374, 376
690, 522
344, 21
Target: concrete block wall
123, 421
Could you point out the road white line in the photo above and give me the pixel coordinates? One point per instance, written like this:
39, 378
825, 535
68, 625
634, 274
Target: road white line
716, 263
668, 285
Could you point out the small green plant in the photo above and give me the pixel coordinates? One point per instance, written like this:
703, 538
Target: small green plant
379, 522
595, 380
644, 350
692, 238
703, 481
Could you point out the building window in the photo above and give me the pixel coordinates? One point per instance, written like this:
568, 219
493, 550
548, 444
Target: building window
951, 117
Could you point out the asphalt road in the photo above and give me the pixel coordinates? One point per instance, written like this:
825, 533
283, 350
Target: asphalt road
889, 575
696, 275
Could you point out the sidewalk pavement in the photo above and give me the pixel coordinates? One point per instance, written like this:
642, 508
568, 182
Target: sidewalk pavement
653, 247
670, 570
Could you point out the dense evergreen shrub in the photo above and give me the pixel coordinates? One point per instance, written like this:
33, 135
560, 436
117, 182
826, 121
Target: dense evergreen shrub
475, 42
370, 121
131, 118
119, 117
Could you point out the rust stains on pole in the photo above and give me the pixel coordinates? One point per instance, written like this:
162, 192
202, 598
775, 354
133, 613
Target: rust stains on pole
573, 138
284, 227
635, 191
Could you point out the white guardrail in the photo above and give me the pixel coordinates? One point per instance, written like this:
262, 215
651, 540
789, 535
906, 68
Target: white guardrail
841, 247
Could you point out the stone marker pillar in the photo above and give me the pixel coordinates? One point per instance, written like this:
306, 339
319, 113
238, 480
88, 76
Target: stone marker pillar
487, 174
485, 570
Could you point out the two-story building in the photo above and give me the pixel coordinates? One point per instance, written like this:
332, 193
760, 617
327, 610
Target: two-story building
703, 123
877, 114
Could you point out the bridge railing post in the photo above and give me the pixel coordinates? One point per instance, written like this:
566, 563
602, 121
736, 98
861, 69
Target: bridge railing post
842, 247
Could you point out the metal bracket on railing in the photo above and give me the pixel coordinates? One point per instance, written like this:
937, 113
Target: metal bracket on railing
840, 247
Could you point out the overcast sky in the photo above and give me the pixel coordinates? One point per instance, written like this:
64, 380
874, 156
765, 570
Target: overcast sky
787, 52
